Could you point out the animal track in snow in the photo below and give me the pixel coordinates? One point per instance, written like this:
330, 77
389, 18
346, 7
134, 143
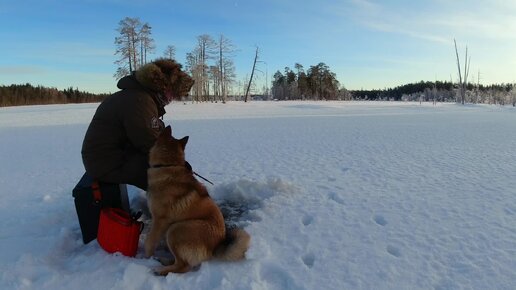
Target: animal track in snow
308, 259
275, 277
394, 251
380, 220
307, 219
335, 197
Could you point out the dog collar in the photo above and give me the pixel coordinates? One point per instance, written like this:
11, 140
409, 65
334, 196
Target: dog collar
187, 166
164, 165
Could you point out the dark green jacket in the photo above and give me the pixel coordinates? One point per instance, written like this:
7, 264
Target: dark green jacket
126, 121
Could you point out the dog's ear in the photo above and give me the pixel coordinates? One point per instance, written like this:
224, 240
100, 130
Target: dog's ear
167, 132
183, 142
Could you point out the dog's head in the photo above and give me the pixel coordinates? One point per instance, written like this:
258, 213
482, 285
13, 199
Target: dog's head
168, 150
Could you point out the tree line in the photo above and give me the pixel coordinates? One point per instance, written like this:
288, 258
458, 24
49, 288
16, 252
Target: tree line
317, 83
27, 94
211, 66
501, 94
210, 63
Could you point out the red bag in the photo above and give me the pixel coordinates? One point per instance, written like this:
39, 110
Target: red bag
118, 232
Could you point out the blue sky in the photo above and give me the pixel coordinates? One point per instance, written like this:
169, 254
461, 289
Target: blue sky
367, 43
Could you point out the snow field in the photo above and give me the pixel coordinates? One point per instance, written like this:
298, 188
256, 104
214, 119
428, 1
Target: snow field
336, 195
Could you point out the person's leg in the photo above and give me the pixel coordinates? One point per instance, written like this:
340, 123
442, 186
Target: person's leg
133, 171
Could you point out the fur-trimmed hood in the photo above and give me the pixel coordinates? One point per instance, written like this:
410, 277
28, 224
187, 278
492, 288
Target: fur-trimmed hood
165, 75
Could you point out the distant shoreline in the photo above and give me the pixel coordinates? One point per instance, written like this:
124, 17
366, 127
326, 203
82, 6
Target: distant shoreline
502, 94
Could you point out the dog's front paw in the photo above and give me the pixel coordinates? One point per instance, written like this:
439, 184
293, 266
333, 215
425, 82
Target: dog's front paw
165, 261
149, 250
148, 255
159, 272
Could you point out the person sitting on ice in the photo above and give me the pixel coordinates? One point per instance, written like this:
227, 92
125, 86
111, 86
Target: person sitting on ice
126, 124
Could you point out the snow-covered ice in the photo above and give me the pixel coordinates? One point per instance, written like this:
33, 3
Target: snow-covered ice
336, 195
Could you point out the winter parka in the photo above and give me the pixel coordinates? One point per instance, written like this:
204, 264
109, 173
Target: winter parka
126, 124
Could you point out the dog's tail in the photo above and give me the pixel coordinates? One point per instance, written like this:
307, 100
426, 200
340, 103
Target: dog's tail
235, 245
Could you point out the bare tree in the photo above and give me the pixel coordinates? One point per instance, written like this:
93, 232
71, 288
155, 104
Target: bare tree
225, 49
252, 74
146, 42
228, 78
204, 49
215, 77
195, 69
170, 52
463, 78
513, 95
126, 45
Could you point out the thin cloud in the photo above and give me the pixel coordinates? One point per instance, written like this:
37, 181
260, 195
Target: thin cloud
78, 49
440, 24
21, 70
398, 29
501, 28
365, 5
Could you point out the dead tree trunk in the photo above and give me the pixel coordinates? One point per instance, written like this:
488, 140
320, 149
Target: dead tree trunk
466, 74
462, 81
221, 70
252, 74
460, 74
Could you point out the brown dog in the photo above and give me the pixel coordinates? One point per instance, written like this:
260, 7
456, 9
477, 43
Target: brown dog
182, 209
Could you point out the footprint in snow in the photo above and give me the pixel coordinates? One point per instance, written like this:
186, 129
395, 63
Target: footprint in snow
380, 220
276, 278
307, 220
394, 251
336, 198
308, 260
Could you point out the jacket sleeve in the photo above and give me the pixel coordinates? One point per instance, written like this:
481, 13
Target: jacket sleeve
142, 123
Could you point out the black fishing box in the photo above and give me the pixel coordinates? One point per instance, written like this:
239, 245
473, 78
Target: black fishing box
90, 197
